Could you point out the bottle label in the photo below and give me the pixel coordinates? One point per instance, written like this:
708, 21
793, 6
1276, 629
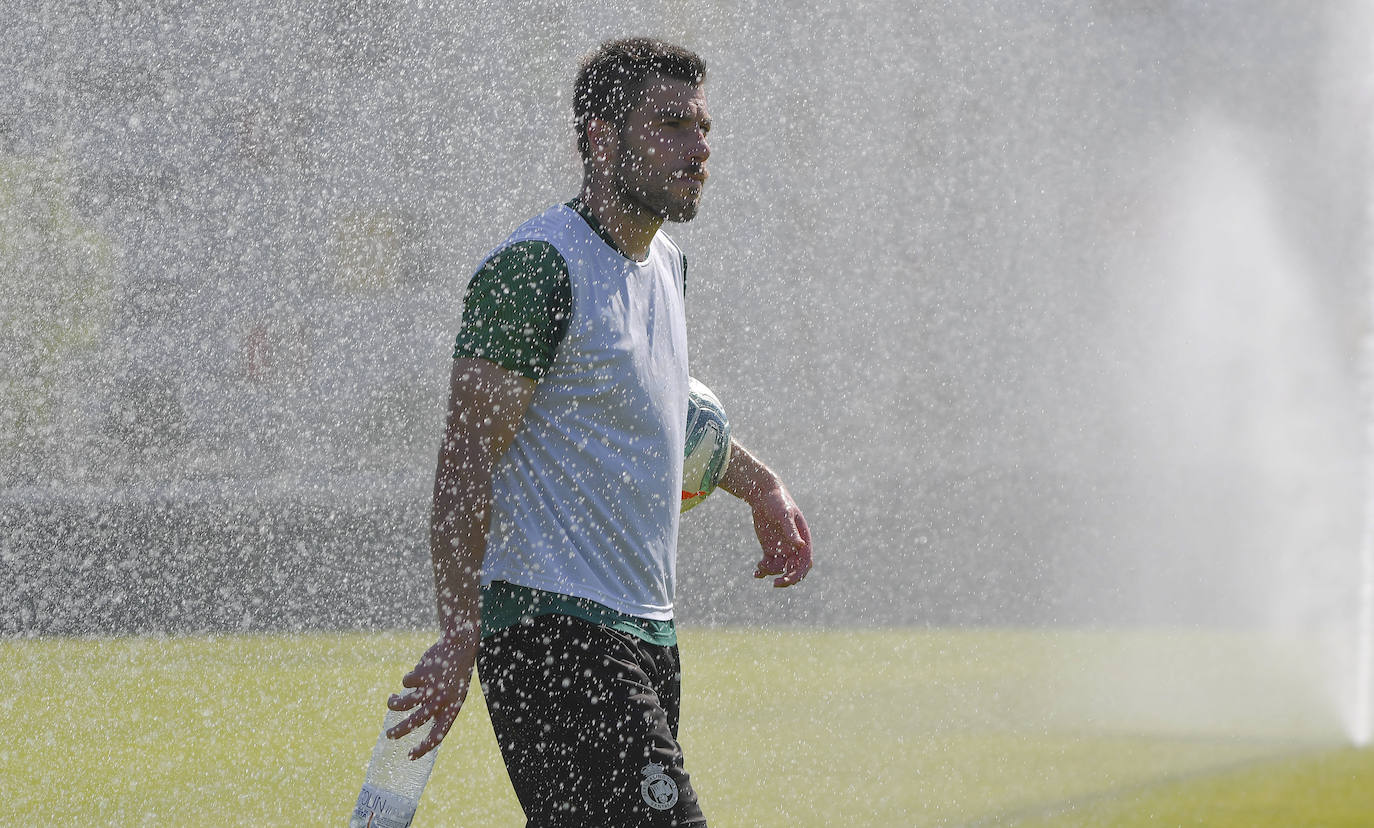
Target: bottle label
379, 808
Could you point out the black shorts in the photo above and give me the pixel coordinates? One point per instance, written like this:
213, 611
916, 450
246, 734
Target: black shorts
586, 718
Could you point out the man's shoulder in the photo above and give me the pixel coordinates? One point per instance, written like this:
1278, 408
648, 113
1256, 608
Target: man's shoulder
550, 226
526, 258
534, 247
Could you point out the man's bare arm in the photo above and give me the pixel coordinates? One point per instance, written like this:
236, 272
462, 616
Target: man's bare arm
778, 522
486, 406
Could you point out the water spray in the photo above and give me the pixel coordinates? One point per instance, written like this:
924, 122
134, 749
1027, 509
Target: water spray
1362, 719
1362, 730
1362, 715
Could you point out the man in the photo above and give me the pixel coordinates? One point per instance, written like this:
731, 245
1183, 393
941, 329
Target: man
554, 529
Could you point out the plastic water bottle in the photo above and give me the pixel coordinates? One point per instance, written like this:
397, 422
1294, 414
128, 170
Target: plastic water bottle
391, 791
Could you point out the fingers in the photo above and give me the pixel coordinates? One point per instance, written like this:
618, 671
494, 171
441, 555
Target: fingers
442, 714
787, 550
794, 576
442, 722
426, 698
771, 564
405, 701
420, 699
409, 723
793, 569
435, 692
791, 565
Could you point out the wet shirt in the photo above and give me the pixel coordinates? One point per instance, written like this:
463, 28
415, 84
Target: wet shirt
516, 310
585, 514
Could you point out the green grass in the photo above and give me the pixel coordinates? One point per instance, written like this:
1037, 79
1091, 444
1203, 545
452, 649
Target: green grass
846, 728
1329, 788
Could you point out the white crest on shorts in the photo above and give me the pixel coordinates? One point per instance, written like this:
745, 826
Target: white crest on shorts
658, 788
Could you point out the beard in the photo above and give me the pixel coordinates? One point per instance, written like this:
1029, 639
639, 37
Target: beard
655, 197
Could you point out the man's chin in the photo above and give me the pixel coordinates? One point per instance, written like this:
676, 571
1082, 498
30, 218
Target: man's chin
682, 215
678, 211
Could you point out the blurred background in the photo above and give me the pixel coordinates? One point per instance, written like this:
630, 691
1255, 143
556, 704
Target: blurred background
1051, 313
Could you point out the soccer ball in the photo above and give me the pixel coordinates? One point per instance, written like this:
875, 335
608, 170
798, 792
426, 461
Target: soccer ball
708, 445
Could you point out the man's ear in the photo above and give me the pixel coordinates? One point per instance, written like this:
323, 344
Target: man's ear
602, 135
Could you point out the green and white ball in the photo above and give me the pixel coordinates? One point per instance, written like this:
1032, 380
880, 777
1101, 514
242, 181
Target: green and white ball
708, 445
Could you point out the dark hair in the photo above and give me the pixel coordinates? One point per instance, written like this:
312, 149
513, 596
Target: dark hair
613, 75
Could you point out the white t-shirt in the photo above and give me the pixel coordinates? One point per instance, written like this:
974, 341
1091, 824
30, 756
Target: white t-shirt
586, 499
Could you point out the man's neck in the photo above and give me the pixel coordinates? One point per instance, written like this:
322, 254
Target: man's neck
629, 225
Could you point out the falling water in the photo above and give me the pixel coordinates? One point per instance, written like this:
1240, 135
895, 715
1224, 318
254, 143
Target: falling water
1362, 720
1362, 706
1057, 290
1362, 690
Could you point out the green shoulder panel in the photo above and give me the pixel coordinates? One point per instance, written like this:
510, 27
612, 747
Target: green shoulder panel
516, 310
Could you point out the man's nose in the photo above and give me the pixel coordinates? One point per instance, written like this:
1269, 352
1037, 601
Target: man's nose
700, 149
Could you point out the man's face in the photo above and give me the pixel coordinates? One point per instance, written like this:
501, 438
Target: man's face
661, 165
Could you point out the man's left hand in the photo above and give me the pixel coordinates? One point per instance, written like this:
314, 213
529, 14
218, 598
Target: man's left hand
784, 537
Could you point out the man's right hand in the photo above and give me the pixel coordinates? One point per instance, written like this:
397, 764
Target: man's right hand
438, 687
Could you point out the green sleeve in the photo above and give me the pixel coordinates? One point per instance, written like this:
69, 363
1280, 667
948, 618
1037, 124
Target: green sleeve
516, 310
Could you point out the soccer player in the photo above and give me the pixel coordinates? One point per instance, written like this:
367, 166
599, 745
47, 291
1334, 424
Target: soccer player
556, 499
